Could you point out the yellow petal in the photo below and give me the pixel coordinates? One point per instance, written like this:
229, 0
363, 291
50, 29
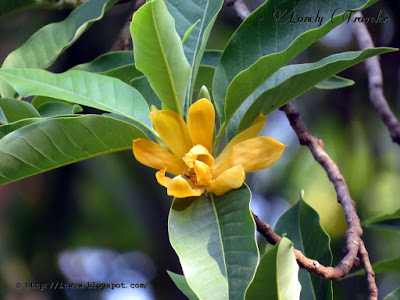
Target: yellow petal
198, 152
254, 154
162, 179
180, 188
249, 133
201, 118
155, 156
232, 178
203, 173
172, 130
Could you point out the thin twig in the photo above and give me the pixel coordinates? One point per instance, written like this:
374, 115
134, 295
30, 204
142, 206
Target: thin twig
124, 38
369, 272
354, 243
375, 80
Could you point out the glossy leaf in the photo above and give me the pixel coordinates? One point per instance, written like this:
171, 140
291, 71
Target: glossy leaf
214, 238
186, 14
276, 275
261, 45
14, 110
387, 221
383, 266
42, 48
159, 54
204, 77
182, 284
301, 225
52, 143
393, 296
334, 82
101, 92
293, 80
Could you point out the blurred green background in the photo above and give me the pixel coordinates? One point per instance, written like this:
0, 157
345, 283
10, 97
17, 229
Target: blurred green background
105, 219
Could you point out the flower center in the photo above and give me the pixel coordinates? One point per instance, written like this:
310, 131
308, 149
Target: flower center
190, 175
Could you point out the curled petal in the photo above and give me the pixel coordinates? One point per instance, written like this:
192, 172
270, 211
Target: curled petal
203, 173
249, 133
155, 156
198, 152
232, 178
162, 179
172, 130
180, 188
254, 154
201, 118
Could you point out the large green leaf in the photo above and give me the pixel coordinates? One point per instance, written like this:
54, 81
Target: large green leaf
98, 91
42, 48
14, 110
276, 276
387, 221
262, 45
186, 14
293, 80
393, 296
214, 238
159, 54
301, 224
182, 284
383, 266
52, 143
8, 128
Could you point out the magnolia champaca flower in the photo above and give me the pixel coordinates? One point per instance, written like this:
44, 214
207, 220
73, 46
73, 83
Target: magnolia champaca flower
189, 155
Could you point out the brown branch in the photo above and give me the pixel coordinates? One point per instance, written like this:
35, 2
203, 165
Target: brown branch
375, 80
354, 243
369, 272
124, 38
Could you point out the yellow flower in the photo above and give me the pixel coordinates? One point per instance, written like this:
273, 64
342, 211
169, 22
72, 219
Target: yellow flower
190, 156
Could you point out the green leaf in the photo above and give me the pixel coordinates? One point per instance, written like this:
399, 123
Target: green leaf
144, 88
214, 238
42, 48
8, 128
293, 80
276, 275
211, 58
187, 14
204, 77
387, 221
182, 285
52, 143
14, 110
302, 227
98, 91
383, 266
189, 31
107, 62
260, 46
393, 296
159, 54
334, 82
54, 109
